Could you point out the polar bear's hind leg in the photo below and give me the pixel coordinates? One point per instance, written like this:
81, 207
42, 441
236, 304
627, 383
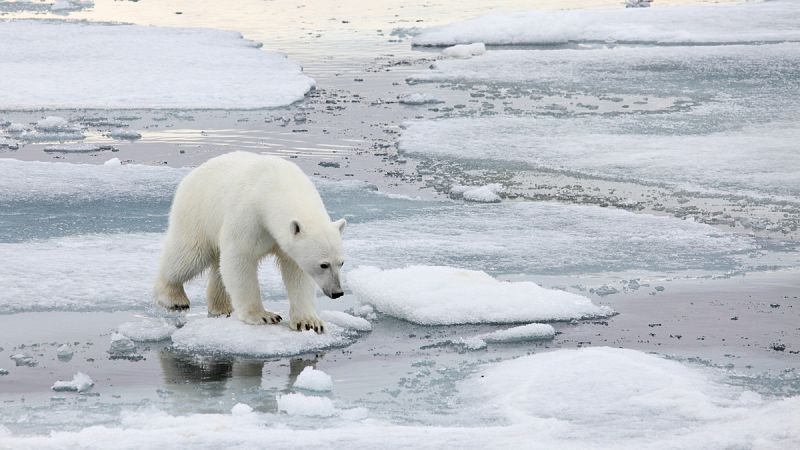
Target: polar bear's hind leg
179, 264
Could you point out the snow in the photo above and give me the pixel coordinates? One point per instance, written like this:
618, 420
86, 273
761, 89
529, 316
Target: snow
311, 379
228, 335
113, 162
296, 404
436, 295
345, 320
692, 24
147, 329
465, 50
113, 66
522, 333
79, 383
587, 398
418, 98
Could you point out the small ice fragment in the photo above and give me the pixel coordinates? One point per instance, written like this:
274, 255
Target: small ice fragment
465, 50
24, 359
147, 330
473, 343
121, 344
345, 320
604, 290
483, 194
531, 331
80, 383
123, 134
113, 162
297, 404
364, 310
53, 123
76, 148
64, 352
241, 409
4, 371
314, 380
418, 98
16, 128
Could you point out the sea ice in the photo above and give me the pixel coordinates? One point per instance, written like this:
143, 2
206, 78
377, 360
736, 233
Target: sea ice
435, 295
311, 379
418, 98
53, 123
123, 134
522, 333
345, 320
76, 148
465, 50
65, 352
482, 194
241, 409
79, 383
296, 404
24, 359
147, 330
121, 345
114, 66
688, 24
228, 335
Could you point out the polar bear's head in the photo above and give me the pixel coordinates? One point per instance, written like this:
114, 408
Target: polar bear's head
317, 249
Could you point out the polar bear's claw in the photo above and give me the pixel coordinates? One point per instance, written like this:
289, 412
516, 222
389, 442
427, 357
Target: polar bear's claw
308, 323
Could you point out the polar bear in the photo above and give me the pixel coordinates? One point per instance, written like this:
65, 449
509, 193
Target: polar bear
231, 212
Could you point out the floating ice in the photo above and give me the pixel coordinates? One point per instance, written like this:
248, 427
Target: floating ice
183, 73
4, 371
76, 148
345, 320
530, 332
418, 98
121, 345
113, 162
24, 359
482, 194
432, 295
241, 409
65, 352
296, 404
311, 379
465, 50
147, 330
228, 335
751, 22
79, 383
53, 123
123, 134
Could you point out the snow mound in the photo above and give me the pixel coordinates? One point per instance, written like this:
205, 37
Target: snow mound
465, 50
311, 379
296, 404
711, 24
185, 72
438, 295
79, 383
418, 98
147, 330
530, 332
345, 320
228, 335
482, 194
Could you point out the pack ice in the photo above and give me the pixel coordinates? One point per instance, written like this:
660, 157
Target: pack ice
54, 64
431, 295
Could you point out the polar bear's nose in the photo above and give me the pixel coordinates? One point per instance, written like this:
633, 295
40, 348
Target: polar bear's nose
337, 294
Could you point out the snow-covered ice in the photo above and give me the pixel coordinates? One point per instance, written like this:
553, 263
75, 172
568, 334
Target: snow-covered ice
53, 123
79, 383
345, 320
435, 295
121, 345
228, 335
149, 329
114, 66
418, 98
65, 352
522, 333
481, 194
297, 404
465, 50
76, 148
312, 379
774, 21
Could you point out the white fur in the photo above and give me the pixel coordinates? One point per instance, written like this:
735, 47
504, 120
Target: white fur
231, 212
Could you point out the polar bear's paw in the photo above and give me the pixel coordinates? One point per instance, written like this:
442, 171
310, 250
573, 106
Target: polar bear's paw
259, 317
171, 297
307, 322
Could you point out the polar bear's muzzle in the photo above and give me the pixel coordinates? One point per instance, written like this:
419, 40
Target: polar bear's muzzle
336, 294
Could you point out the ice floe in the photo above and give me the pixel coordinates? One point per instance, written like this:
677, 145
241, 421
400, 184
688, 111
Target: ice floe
312, 379
465, 50
123, 134
297, 404
345, 320
53, 123
689, 24
77, 148
522, 333
228, 335
435, 295
79, 383
185, 72
147, 330
418, 98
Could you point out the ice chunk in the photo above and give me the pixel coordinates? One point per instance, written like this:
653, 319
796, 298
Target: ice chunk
436, 295
241, 409
750, 22
185, 72
4, 371
113, 162
79, 383
24, 359
76, 148
530, 332
232, 336
123, 134
296, 404
483, 194
418, 98
311, 379
121, 345
345, 320
147, 330
53, 123
465, 50
65, 352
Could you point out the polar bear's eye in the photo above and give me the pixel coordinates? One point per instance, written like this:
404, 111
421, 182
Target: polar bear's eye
324, 266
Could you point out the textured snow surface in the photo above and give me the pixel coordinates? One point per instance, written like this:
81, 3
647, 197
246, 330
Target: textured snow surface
760, 160
79, 383
52, 64
594, 398
435, 295
148, 329
753, 22
311, 379
228, 335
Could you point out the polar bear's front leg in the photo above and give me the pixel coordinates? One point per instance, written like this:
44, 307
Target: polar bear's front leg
301, 290
240, 276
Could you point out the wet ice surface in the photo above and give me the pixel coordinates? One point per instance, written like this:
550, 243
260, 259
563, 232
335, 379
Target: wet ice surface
698, 260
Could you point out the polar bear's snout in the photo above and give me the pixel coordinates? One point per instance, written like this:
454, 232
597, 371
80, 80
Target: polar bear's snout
336, 294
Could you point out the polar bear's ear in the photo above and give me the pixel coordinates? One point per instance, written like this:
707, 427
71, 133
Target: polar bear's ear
340, 224
295, 227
